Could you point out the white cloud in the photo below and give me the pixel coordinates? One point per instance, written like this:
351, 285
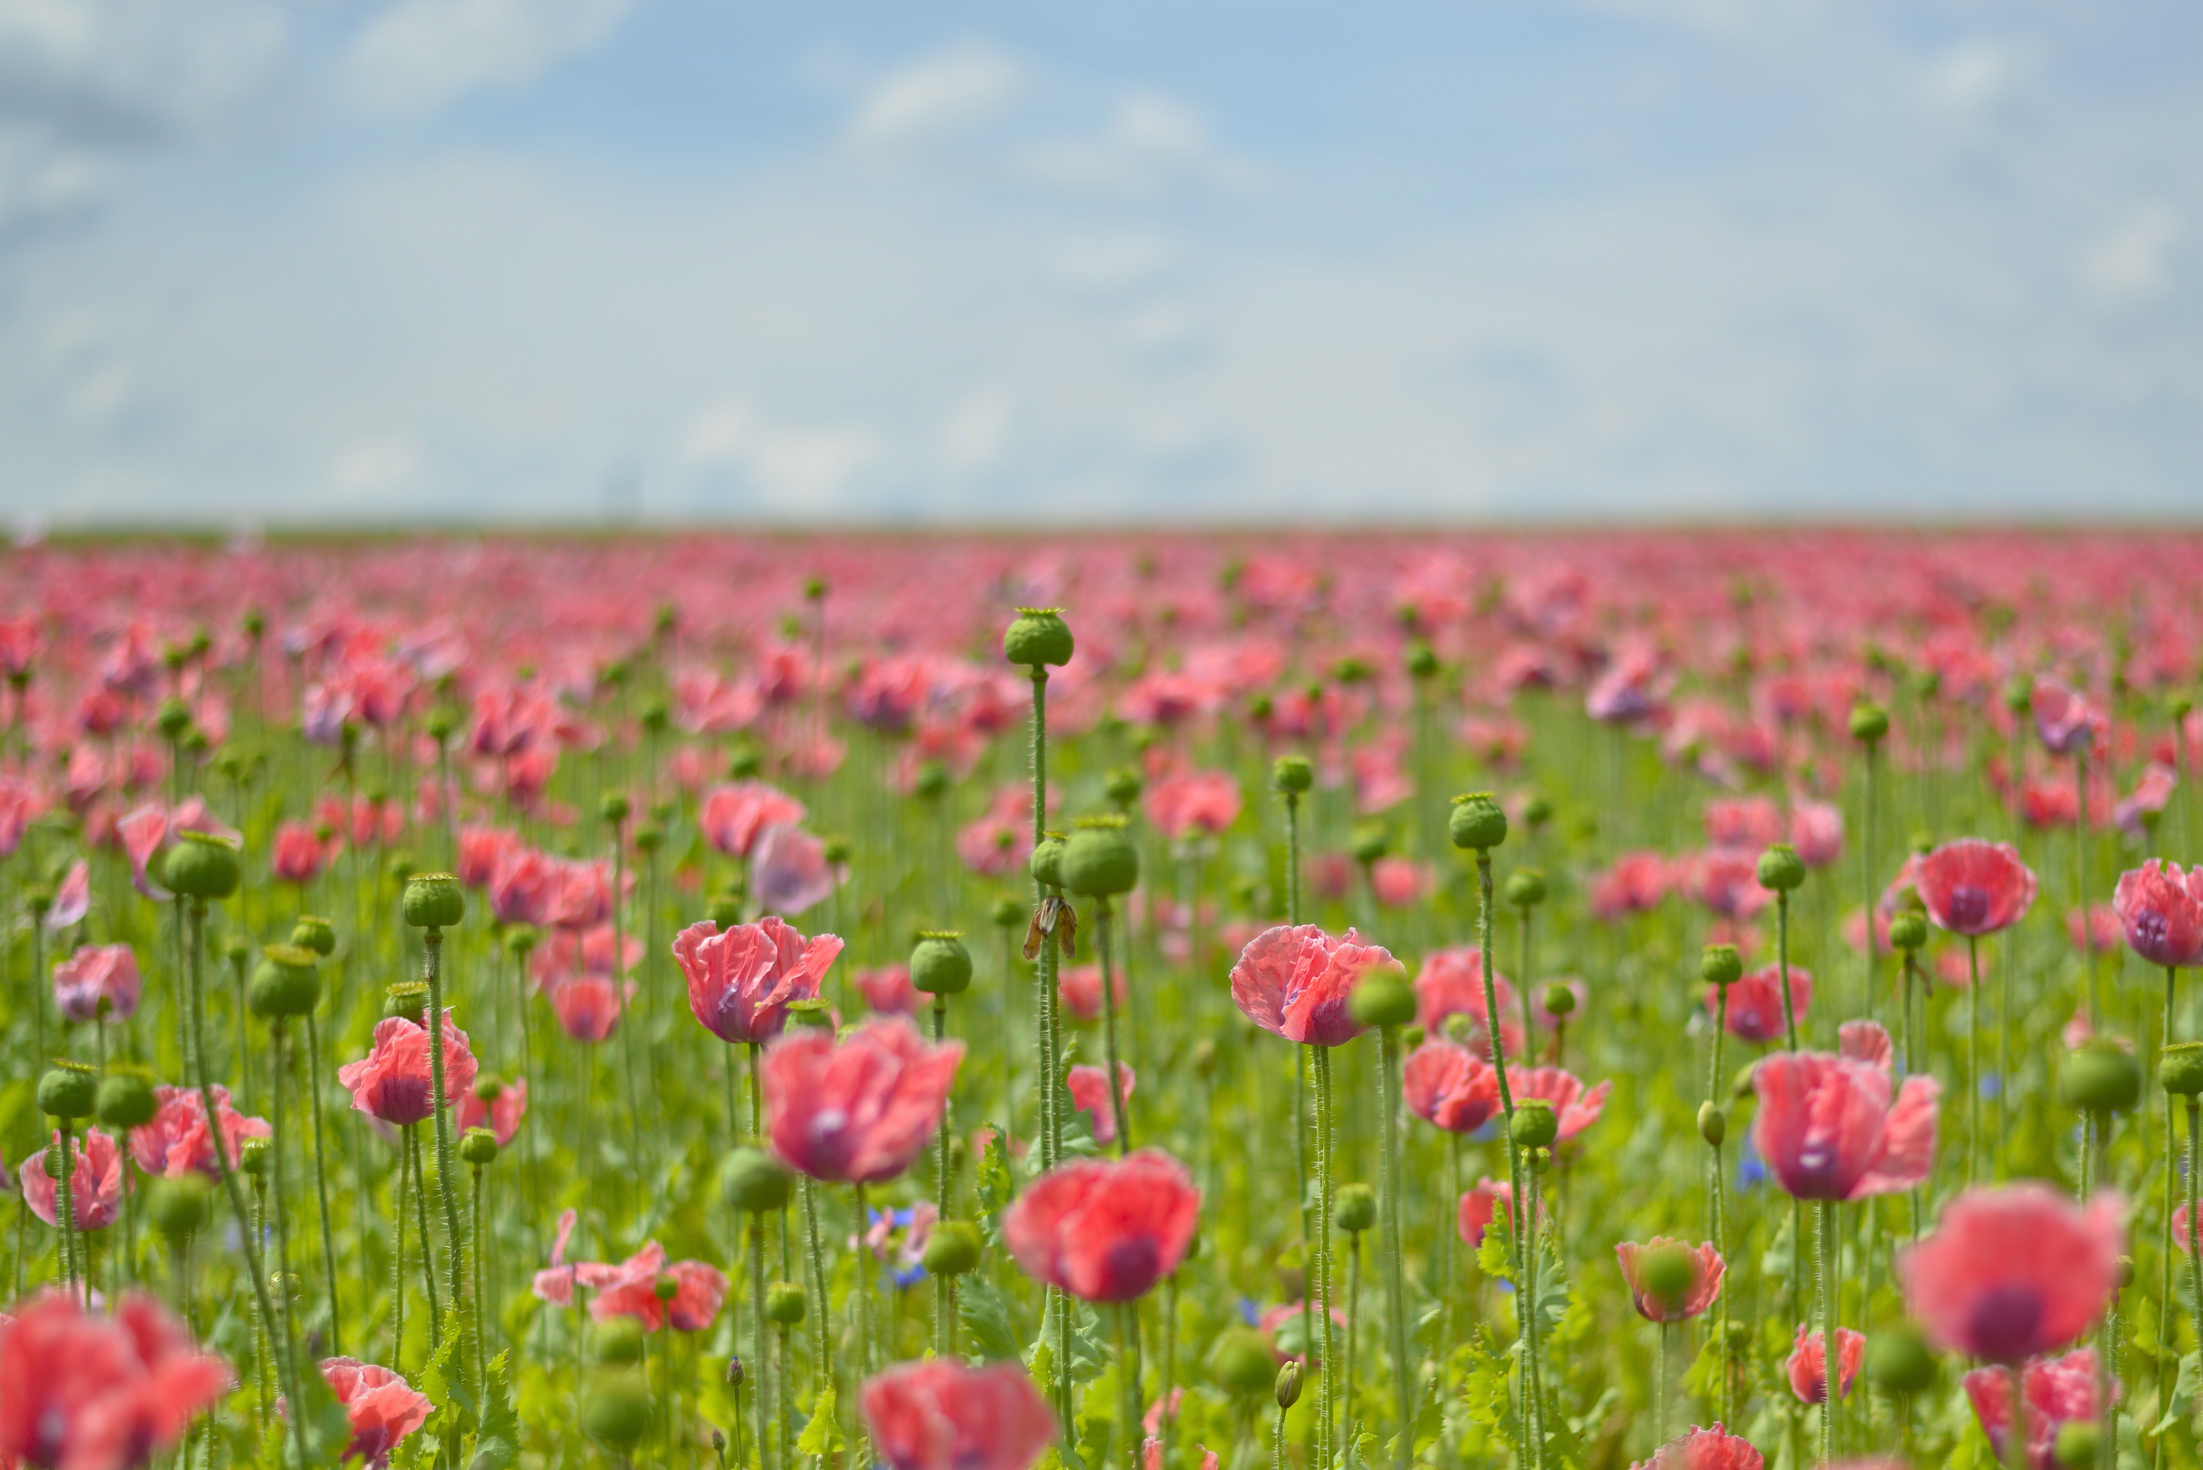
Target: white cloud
1974, 76
1113, 264
419, 55
2132, 260
977, 431
936, 98
384, 465
798, 467
1152, 144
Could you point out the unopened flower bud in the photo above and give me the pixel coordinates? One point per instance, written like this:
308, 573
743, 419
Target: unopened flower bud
953, 1248
2126, 1272
735, 1374
1740, 1086
1535, 1124
1525, 888
1720, 964
1355, 1208
1477, 823
784, 1303
1292, 774
1781, 870
1908, 930
1713, 1124
2180, 1068
478, 1146
1288, 1383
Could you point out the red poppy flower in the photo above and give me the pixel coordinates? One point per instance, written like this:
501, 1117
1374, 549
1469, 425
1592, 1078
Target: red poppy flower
1706, 1270
941, 1415
1725, 881
1449, 1086
2064, 720
299, 853
857, 1111
384, 1408
177, 1142
630, 1289
1974, 887
1829, 1127
740, 981
1808, 1359
1090, 1095
589, 1006
888, 990
1755, 1002
1634, 885
1816, 831
93, 1392
2160, 909
2014, 1272
95, 1182
1079, 987
393, 1082
481, 851
2056, 1391
1294, 982
1103, 1230
1705, 1449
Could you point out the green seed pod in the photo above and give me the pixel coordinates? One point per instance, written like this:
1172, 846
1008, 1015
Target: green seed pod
1666, 1274
126, 1100
173, 718
1355, 1208
70, 1090
784, 1303
953, 1248
407, 1000
1537, 811
284, 983
939, 963
442, 723
1898, 1360
1477, 824
178, 1206
1421, 662
1293, 774
1720, 964
1525, 888
1046, 863
1535, 1123
201, 865
1781, 870
2101, 1077
1558, 1000
1038, 638
1123, 788
1100, 860
665, 1288
2180, 1068
315, 933
1713, 1124
488, 1086
932, 783
1869, 722
614, 807
1288, 1383
1908, 931
2019, 693
256, 1156
478, 1146
1242, 1362
1007, 913
811, 1012
755, 1181
616, 1409
434, 901
616, 1340
1383, 998
1370, 841
2079, 1443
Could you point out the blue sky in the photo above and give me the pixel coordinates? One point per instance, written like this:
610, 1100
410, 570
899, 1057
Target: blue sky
284, 261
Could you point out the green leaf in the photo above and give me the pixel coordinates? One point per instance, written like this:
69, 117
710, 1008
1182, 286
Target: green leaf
498, 1445
994, 1181
328, 1428
1088, 1354
822, 1436
2182, 1398
1494, 1258
985, 1318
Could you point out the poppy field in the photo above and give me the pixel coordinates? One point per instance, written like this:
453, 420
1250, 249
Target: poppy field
1162, 1001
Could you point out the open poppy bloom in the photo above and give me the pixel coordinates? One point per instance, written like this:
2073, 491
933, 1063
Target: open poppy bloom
393, 1082
2065, 721
888, 990
2160, 911
1449, 1086
1480, 1204
856, 1111
1575, 1106
1105, 1231
630, 1289
1973, 887
1808, 1366
98, 980
1198, 801
95, 1182
501, 1114
1294, 982
735, 817
2056, 1392
86, 1391
1755, 1002
1706, 1270
589, 1006
1451, 983
1829, 1127
1705, 1449
384, 1408
1090, 1095
2015, 1272
941, 1415
178, 1142
741, 980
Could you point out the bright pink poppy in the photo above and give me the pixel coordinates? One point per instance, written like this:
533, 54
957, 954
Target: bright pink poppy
856, 1111
177, 1142
1725, 881
1198, 801
1808, 1363
1449, 1086
481, 851
1294, 982
888, 989
741, 980
1755, 1002
520, 886
1706, 1270
393, 1081
2064, 720
99, 979
576, 894
501, 1114
1974, 887
555, 1283
792, 873
1079, 986
2094, 930
1743, 821
72, 898
1451, 983
1816, 831
2014, 1272
630, 1289
1090, 1095
1105, 1230
384, 1408
941, 1415
299, 853
142, 833
82, 1391
1634, 885
735, 817
1576, 1106
1479, 1205
1399, 882
589, 1006
1705, 1449
2160, 910
95, 1182
2057, 1392
1837, 1128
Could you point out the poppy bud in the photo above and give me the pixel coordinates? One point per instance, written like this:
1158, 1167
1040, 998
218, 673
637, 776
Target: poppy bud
755, 1181
1292, 774
784, 1303
1046, 863
434, 901
725, 911
649, 837
743, 764
1908, 931
932, 783
614, 807
1525, 888
126, 1100
1007, 913
488, 1086
49, 1162
1666, 1274
520, 940
478, 1147
1382, 999
408, 999
1123, 788
1100, 860
810, 1011
1781, 869
1411, 1036
1370, 842
1720, 964
285, 983
735, 1375
401, 867
1535, 1124
939, 964
442, 723
1898, 1360
1537, 811
2126, 1272
617, 1340
178, 1206
173, 719
1558, 1000
616, 1409
953, 1248
70, 1090
665, 1288
2100, 1078
256, 1155
315, 933
1869, 722
1242, 1361
1713, 1124
1039, 637
2180, 1068
1421, 662
1288, 1383
1355, 1209
2078, 1444
201, 865
1740, 1086
1477, 823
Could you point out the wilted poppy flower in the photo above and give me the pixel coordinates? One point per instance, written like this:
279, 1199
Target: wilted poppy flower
393, 1081
735, 817
1807, 1370
383, 1407
95, 1182
501, 1114
2014, 1272
1105, 1230
1705, 1449
1706, 1270
2057, 1392
1576, 1106
1199, 801
80, 1391
1755, 1002
177, 1142
1079, 987
1830, 1128
1090, 1095
99, 979
1449, 1086
1974, 887
941, 1415
1294, 982
740, 981
856, 1111
589, 1006
2160, 910
1451, 983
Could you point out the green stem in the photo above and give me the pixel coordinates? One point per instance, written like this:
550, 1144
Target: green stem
1128, 1383
66, 1215
1403, 1389
1866, 875
1327, 1388
2195, 1228
428, 1253
432, 941
1109, 1025
2164, 1255
321, 1184
1831, 1360
817, 1257
1973, 1061
1526, 1306
397, 1274
764, 1412
944, 1327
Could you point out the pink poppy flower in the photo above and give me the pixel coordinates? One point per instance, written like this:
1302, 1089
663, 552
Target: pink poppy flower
941, 1415
577, 895
1755, 1002
1199, 801
72, 898
520, 886
1105, 1230
1634, 885
1090, 1095
481, 851
1576, 1107
1449, 1086
2133, 812
99, 979
142, 833
589, 1006
95, 1182
1451, 983
177, 1141
2014, 1272
1816, 831
2160, 911
2094, 930
2064, 720
383, 1407
1743, 821
1808, 1367
1725, 881
735, 817
1974, 887
1294, 982
555, 1283
630, 1289
888, 990
995, 845
1079, 987
1705, 1449
1400, 883
740, 981
300, 853
860, 1110
501, 1114
1830, 1129
2056, 1391
1706, 1270
792, 873
80, 1391
1480, 1204
393, 1081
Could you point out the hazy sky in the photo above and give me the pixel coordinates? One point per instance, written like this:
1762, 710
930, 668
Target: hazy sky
287, 260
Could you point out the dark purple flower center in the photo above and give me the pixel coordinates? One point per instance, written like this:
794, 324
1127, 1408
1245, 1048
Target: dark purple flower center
1131, 1266
2004, 1323
1967, 908
2150, 933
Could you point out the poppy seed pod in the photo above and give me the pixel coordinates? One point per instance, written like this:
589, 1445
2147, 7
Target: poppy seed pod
2180, 1068
179, 1206
1898, 1360
255, 1155
649, 837
1421, 662
1781, 869
1537, 811
1908, 930
1292, 774
284, 983
1525, 888
1123, 788
313, 932
126, 1100
173, 719
1288, 1383
478, 1147
617, 1340
2019, 694
406, 1000
442, 723
743, 764
939, 963
1477, 823
1007, 913
1382, 998
1535, 1124
1741, 1086
1242, 1361
1039, 637
2100, 1077
1370, 842
1667, 1275
1046, 863
615, 807
616, 1409
1720, 964
201, 865
784, 1303
1713, 1123
2126, 1272
1100, 860
1869, 722
70, 1090
1558, 1000
953, 1248
755, 1181
932, 783
665, 1288
434, 901
488, 1086
1355, 1210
